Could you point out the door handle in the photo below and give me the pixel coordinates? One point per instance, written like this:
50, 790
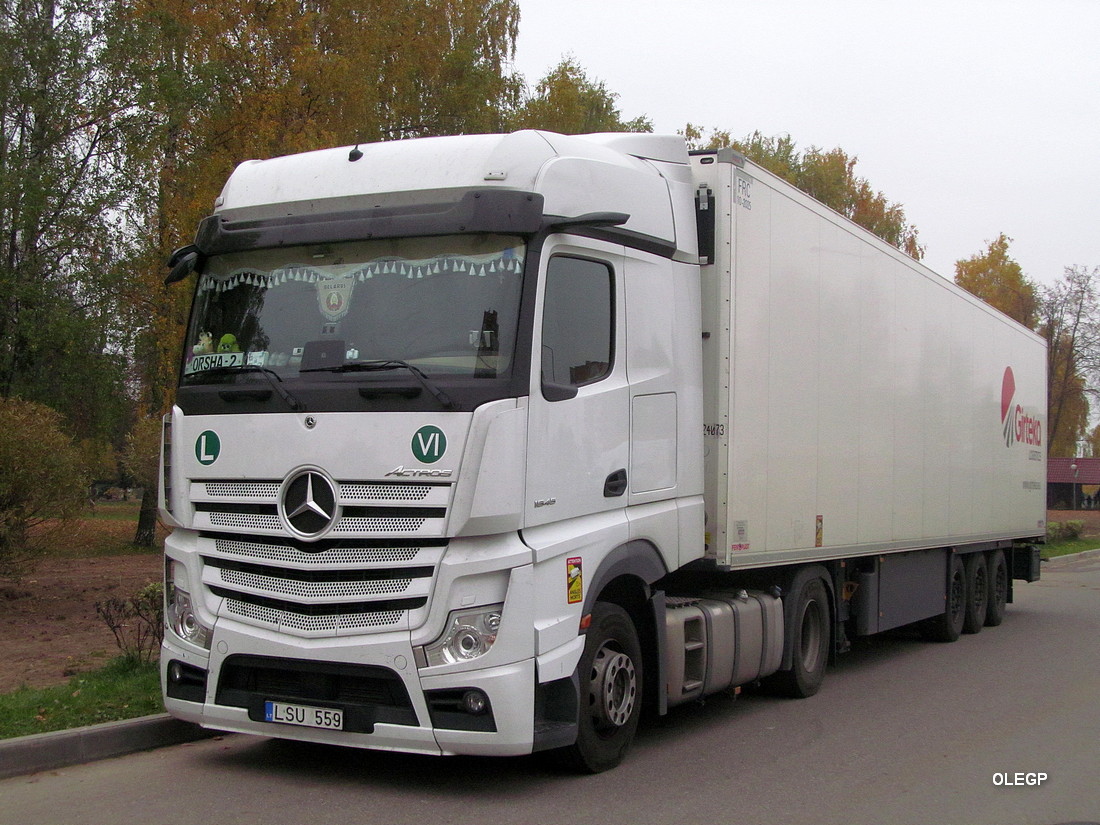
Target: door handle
615, 485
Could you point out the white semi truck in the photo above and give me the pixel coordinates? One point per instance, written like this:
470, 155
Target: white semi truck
485, 444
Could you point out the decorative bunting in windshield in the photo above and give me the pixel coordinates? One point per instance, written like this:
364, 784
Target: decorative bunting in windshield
506, 262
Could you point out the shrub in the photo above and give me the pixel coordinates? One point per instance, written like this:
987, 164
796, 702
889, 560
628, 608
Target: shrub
1071, 530
1059, 531
137, 622
41, 477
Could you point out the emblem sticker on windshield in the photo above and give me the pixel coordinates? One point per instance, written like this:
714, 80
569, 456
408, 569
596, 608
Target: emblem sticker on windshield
207, 447
429, 444
334, 296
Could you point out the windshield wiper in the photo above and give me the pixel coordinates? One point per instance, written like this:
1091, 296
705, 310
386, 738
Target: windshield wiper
392, 364
273, 378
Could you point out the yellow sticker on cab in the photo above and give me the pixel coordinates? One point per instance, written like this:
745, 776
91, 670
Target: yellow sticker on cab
574, 580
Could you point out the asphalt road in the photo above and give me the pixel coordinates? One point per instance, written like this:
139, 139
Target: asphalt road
902, 732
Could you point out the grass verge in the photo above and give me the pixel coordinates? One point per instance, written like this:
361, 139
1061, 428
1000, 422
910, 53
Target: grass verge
107, 529
123, 689
1065, 548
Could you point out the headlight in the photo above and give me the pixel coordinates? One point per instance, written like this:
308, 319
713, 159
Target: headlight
469, 634
179, 610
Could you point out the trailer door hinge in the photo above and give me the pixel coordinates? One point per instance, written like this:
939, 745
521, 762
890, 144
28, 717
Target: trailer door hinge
704, 222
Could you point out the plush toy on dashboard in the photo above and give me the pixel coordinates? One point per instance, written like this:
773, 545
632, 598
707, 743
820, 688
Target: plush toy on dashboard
205, 346
228, 343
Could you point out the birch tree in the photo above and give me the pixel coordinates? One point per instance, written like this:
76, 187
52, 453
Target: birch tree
1070, 321
61, 125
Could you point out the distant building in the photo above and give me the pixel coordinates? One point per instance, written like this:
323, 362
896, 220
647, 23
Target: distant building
1073, 483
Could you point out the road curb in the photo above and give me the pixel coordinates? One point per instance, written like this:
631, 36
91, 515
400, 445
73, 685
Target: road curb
60, 749
1084, 554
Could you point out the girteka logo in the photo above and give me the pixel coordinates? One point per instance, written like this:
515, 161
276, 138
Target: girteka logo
1017, 425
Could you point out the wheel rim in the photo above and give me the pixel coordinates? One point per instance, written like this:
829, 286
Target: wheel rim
957, 602
614, 688
1000, 585
981, 593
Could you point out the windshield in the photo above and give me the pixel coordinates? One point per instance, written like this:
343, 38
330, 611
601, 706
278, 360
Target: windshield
440, 306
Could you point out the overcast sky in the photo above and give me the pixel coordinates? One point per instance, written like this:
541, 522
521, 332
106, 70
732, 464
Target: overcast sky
978, 116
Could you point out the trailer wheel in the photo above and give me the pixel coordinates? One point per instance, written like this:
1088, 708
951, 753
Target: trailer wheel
610, 674
947, 627
810, 633
998, 588
977, 592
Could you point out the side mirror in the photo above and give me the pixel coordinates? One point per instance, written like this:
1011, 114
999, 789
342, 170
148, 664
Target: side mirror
183, 262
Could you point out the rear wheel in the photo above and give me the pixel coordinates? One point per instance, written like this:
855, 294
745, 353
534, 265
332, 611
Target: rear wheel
998, 588
977, 592
947, 626
610, 674
809, 637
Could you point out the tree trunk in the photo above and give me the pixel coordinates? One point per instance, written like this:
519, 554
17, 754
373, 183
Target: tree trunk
146, 535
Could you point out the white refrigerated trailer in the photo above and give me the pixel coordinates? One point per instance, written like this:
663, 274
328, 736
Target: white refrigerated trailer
482, 444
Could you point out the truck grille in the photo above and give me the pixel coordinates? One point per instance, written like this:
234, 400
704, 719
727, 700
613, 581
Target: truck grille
368, 509
372, 572
329, 588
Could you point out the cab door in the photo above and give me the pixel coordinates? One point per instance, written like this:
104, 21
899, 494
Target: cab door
578, 437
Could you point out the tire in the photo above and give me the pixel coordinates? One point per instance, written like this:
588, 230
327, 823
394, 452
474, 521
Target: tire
977, 592
611, 679
809, 634
947, 627
998, 588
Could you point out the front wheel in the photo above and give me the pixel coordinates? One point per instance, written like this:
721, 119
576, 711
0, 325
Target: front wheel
610, 674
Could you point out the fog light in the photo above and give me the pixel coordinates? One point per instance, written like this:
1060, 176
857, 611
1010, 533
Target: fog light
185, 682
475, 702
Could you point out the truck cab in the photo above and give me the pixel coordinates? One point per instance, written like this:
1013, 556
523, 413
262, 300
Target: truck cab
435, 399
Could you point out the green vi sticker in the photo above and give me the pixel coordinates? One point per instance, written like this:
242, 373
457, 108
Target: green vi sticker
429, 444
207, 447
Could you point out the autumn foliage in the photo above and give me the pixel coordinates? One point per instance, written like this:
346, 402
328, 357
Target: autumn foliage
827, 175
121, 119
41, 477
1066, 314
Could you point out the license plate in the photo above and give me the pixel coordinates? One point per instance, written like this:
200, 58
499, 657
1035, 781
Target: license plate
308, 717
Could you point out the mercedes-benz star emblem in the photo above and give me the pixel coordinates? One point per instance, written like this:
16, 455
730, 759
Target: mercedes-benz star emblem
309, 503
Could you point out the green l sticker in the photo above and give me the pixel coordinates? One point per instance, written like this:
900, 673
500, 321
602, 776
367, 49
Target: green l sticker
207, 447
429, 444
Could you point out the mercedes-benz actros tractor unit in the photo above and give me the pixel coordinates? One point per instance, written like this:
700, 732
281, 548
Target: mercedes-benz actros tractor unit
484, 444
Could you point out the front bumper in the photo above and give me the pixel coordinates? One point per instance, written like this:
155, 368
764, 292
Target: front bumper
385, 699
